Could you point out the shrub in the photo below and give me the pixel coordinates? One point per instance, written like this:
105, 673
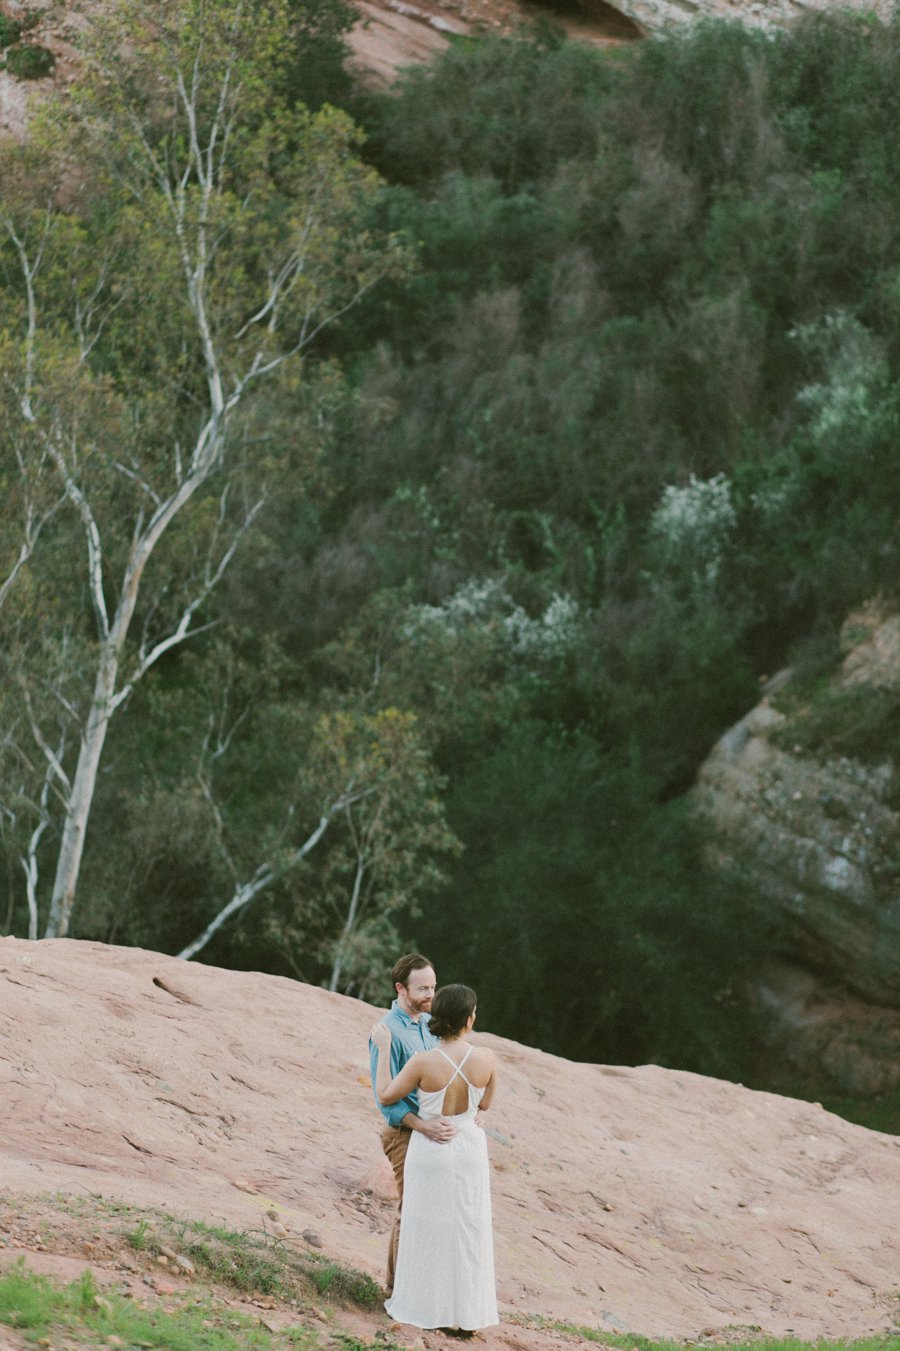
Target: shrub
29, 61
10, 31
858, 721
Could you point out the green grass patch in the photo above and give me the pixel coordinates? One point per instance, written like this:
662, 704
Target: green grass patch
30, 61
465, 41
38, 1307
856, 721
254, 1261
137, 1237
347, 1342
745, 1336
10, 31
197, 1320
337, 1281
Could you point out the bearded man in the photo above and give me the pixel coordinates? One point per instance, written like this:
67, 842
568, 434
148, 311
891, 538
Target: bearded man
407, 1019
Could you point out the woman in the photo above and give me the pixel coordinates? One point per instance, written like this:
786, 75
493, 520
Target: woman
445, 1262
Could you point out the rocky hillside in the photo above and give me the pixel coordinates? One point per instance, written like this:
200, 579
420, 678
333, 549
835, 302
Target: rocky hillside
392, 34
662, 1202
804, 792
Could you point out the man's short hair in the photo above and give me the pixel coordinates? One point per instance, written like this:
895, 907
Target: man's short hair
405, 966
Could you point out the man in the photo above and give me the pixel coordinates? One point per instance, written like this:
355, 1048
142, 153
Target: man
414, 981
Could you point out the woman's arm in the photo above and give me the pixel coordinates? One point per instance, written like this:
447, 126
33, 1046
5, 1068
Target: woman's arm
487, 1096
390, 1090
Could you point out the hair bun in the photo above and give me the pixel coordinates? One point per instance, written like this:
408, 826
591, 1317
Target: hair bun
451, 1009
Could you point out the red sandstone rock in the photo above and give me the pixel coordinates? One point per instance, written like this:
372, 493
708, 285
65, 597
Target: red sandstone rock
663, 1201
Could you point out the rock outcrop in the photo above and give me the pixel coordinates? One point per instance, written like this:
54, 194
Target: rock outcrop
661, 15
392, 34
804, 793
645, 1199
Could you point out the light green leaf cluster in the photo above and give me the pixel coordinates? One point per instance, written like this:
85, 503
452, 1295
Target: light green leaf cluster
694, 522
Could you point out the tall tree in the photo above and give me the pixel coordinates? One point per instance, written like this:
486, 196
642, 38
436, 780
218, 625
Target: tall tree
207, 237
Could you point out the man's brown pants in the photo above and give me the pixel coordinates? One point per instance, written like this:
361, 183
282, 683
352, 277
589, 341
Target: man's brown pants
395, 1142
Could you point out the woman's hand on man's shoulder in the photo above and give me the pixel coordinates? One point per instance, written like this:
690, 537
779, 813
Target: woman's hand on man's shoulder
380, 1036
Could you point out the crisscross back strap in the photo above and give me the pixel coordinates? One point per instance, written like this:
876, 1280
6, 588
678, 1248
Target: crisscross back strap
458, 1069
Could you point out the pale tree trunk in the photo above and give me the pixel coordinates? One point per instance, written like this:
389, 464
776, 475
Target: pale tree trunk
30, 860
30, 867
349, 925
108, 694
82, 795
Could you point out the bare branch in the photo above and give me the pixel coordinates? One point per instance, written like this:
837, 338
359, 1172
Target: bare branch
53, 758
264, 876
134, 477
91, 530
269, 872
183, 629
87, 331
29, 860
350, 922
206, 790
30, 270
260, 367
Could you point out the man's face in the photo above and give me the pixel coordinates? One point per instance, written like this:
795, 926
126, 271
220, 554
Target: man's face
416, 996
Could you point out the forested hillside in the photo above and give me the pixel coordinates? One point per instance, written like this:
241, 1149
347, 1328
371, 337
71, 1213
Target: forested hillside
402, 494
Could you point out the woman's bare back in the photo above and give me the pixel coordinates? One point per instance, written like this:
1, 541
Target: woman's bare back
438, 1073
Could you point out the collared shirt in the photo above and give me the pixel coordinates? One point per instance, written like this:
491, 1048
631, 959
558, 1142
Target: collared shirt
407, 1037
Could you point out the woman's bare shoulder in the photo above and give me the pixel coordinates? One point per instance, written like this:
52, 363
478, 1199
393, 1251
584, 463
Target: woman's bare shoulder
483, 1055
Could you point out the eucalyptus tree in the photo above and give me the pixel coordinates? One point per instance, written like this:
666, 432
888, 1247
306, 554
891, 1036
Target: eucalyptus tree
173, 242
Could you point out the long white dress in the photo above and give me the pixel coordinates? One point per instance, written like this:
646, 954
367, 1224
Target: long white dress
445, 1259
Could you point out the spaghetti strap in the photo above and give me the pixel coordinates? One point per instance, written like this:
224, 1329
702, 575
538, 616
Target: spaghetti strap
458, 1069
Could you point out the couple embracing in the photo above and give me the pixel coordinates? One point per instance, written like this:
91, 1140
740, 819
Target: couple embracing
432, 1085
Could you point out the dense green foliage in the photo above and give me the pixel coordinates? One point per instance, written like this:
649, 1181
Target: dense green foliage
649, 364
624, 443
10, 31
29, 60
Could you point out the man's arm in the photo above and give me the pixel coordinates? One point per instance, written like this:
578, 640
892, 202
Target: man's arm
437, 1128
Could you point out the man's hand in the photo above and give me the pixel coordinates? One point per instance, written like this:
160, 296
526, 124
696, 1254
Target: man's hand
437, 1128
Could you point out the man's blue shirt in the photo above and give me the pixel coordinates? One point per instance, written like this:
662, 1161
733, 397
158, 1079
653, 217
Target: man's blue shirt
407, 1037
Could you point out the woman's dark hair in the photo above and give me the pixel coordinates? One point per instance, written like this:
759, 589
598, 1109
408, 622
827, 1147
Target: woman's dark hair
451, 1009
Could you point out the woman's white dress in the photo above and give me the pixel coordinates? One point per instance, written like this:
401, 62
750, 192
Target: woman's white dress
445, 1260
